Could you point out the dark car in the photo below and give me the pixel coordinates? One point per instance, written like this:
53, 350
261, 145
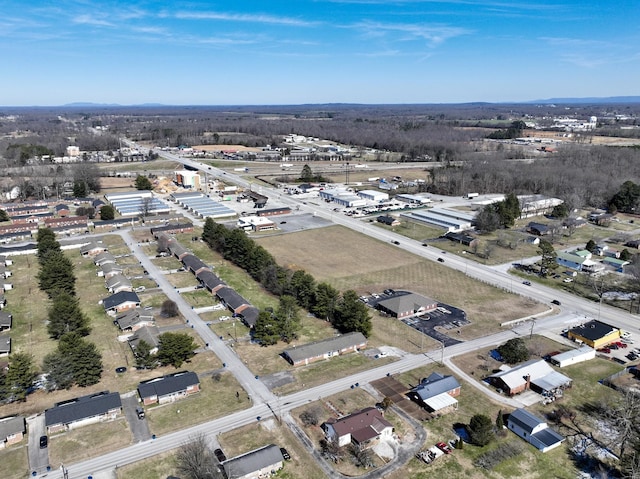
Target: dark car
527, 283
395, 242
556, 302
441, 260
220, 455
44, 442
140, 413
121, 369
285, 454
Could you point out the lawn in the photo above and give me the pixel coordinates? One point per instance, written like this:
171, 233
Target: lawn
248, 438
14, 460
159, 466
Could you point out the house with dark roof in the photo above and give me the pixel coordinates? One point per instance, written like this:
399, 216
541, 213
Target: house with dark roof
210, 280
461, 238
169, 388
121, 301
261, 462
538, 229
6, 260
3, 301
194, 264
172, 228
118, 283
285, 210
133, 319
595, 334
5, 345
6, 321
62, 210
12, 430
92, 249
533, 430
176, 249
325, 348
407, 305
90, 409
388, 220
437, 393
361, 428
249, 316
232, 300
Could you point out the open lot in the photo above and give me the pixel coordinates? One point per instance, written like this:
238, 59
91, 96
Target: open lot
368, 265
14, 460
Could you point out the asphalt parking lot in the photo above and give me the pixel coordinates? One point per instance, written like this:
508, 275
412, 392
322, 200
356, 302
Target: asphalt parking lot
445, 317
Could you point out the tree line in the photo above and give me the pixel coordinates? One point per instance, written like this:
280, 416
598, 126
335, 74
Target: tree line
294, 288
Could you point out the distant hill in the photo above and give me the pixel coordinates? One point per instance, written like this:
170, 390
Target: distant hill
591, 100
88, 104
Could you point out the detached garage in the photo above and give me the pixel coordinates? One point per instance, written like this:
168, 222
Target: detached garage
584, 353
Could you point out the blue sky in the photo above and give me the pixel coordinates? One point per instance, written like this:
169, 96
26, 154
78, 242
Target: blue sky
316, 51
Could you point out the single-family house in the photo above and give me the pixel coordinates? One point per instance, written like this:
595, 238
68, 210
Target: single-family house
121, 301
109, 270
172, 228
325, 348
407, 306
82, 411
104, 258
635, 244
437, 393
573, 356
3, 301
12, 430
150, 334
6, 260
538, 229
133, 319
570, 260
118, 283
533, 430
62, 210
388, 220
361, 428
594, 334
5, 345
4, 272
6, 321
92, 249
535, 374
463, 239
259, 463
615, 263
169, 388
176, 249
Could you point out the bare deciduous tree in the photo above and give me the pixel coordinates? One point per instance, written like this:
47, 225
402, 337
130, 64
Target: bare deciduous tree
194, 460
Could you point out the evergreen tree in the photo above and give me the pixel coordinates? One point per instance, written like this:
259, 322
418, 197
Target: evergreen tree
175, 348
499, 421
46, 239
591, 246
4, 216
143, 356
66, 316
266, 330
481, 430
352, 315
107, 213
20, 376
58, 370
56, 274
85, 358
514, 351
302, 287
288, 318
548, 262
325, 302
306, 175
143, 183
79, 189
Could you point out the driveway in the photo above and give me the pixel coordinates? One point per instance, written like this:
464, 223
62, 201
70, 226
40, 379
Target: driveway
38, 458
139, 427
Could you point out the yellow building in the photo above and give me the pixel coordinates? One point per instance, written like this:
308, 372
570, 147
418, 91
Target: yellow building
594, 333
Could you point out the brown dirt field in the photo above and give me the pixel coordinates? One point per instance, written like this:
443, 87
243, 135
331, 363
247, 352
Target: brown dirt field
368, 265
112, 182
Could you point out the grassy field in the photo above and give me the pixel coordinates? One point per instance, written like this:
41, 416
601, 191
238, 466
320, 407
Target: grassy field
156, 467
352, 266
14, 460
414, 230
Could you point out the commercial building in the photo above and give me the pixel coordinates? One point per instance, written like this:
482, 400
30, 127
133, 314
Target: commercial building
594, 334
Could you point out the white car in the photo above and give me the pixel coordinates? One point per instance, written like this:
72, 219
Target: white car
567, 280
625, 334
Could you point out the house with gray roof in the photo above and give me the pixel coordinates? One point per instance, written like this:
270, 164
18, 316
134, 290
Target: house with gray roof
407, 305
104, 258
232, 300
437, 393
6, 321
149, 334
169, 388
133, 319
4, 272
325, 348
260, 462
92, 249
177, 250
535, 374
12, 430
117, 283
249, 316
3, 301
5, 345
533, 430
90, 409
108, 270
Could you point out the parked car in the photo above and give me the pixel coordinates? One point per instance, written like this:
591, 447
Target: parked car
121, 369
604, 350
285, 454
395, 242
441, 260
443, 447
44, 442
556, 302
140, 413
567, 280
527, 283
220, 455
